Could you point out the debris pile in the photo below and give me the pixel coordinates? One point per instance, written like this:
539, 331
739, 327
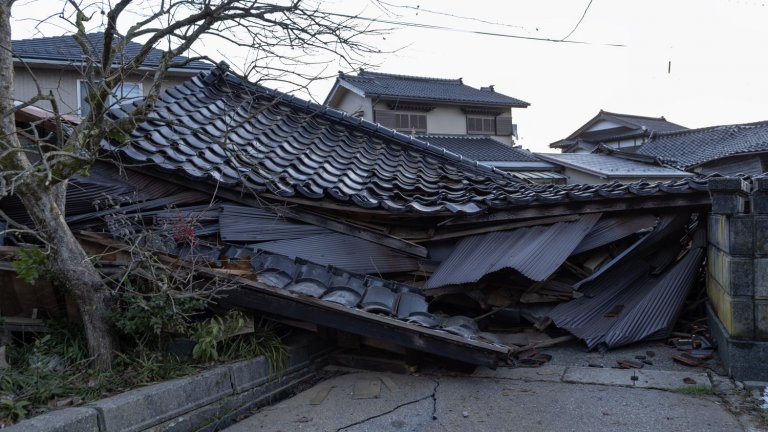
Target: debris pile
337, 224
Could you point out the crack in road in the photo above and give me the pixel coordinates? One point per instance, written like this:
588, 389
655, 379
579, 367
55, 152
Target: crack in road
432, 396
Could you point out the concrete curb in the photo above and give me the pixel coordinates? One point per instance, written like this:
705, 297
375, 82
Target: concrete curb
638, 378
205, 401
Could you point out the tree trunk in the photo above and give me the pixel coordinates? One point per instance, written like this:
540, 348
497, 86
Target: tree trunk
68, 260
72, 268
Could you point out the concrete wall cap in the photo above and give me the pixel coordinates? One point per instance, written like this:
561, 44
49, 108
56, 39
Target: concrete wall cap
728, 184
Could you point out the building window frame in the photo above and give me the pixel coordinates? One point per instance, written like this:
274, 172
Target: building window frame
82, 87
481, 124
402, 121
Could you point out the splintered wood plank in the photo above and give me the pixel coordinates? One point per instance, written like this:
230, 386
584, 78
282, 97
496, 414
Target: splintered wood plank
367, 389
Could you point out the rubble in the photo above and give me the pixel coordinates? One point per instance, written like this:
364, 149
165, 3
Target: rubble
338, 223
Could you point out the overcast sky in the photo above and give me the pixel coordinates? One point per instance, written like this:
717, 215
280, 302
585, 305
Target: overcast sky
696, 62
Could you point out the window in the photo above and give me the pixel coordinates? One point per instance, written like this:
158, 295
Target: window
481, 125
403, 122
123, 93
411, 122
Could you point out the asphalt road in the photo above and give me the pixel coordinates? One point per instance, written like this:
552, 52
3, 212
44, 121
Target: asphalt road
522, 400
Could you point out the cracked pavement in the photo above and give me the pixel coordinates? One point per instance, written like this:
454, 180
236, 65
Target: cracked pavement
506, 399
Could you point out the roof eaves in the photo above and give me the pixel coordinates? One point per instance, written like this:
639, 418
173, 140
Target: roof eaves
340, 82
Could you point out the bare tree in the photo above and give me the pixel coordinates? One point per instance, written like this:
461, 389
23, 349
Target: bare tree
282, 36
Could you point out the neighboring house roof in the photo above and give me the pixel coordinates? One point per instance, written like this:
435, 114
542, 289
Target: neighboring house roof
237, 135
686, 149
606, 166
630, 126
413, 88
64, 49
486, 150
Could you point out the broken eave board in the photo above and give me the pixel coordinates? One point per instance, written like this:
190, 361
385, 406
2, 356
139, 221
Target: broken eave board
535, 252
256, 296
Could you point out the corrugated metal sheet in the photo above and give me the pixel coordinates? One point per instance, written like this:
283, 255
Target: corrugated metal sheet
610, 229
669, 226
647, 305
249, 224
182, 198
535, 252
343, 251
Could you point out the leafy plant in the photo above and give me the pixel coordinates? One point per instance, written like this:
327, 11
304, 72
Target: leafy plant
13, 410
209, 333
217, 339
30, 264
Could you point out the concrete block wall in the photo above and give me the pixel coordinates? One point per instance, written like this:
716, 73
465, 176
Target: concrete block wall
737, 273
206, 401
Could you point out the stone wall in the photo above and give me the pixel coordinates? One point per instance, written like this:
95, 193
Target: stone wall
737, 274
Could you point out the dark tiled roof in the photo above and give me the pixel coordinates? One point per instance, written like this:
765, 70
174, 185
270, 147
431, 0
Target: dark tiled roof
631, 126
237, 135
693, 147
65, 49
427, 89
480, 148
654, 124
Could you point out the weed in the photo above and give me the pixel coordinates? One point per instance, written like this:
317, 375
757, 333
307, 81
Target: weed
12, 410
697, 390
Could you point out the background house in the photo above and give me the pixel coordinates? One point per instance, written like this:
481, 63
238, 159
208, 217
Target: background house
475, 123
56, 64
617, 131
589, 168
727, 150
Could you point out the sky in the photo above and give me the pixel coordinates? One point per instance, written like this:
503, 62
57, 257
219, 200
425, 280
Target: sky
696, 62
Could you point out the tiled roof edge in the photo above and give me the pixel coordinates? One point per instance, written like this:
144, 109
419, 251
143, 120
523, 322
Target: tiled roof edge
709, 128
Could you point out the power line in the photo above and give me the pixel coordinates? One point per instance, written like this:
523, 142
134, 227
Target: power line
482, 21
580, 20
453, 29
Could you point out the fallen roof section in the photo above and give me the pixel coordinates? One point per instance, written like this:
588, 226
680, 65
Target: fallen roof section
223, 132
362, 305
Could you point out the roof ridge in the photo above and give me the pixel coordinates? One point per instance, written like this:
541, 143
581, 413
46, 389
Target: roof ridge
634, 116
222, 72
90, 34
364, 73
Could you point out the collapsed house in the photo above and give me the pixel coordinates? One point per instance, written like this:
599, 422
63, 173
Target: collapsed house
333, 222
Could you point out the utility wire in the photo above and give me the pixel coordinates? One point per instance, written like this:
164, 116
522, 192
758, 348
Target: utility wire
580, 20
482, 21
453, 29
